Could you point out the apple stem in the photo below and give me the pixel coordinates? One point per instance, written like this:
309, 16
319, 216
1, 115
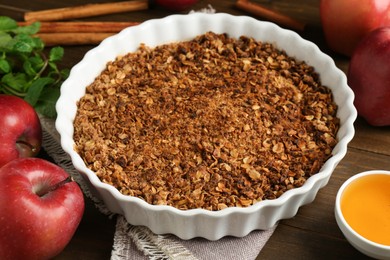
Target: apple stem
32, 148
55, 186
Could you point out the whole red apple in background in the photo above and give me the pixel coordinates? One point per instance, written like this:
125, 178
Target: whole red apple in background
369, 77
20, 129
346, 22
40, 209
175, 5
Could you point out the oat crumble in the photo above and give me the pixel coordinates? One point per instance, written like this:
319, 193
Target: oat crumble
210, 123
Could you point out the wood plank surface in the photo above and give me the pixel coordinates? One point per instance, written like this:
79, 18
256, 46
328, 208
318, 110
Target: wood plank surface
313, 232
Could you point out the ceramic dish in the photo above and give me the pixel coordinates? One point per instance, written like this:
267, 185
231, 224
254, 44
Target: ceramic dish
361, 243
232, 221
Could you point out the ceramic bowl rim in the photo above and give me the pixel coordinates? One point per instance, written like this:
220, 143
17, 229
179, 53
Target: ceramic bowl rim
341, 216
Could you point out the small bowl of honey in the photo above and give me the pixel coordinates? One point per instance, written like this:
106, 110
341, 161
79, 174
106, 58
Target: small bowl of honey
362, 212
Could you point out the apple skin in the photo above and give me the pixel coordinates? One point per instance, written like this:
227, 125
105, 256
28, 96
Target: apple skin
36, 226
175, 5
346, 22
369, 77
21, 132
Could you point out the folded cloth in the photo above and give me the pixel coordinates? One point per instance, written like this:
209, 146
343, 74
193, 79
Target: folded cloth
140, 243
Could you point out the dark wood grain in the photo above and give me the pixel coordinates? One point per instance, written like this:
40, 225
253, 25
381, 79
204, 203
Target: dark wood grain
313, 232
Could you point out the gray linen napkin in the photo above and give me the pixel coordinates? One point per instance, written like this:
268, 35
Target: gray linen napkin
140, 243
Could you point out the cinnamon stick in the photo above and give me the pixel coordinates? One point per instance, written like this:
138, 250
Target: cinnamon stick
88, 10
270, 15
53, 39
63, 27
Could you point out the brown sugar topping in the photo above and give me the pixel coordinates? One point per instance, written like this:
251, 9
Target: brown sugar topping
210, 123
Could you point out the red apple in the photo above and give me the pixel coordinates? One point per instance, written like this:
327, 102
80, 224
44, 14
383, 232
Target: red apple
346, 22
40, 209
20, 134
369, 77
175, 5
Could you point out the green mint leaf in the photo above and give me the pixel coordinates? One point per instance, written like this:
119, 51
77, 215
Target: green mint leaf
7, 23
54, 68
47, 109
36, 88
56, 54
21, 46
38, 43
5, 67
26, 69
65, 73
16, 81
23, 43
29, 69
37, 62
47, 103
5, 39
28, 29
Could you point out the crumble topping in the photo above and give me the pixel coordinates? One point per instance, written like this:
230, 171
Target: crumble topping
210, 123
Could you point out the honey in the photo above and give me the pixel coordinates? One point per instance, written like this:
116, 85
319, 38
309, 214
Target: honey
365, 205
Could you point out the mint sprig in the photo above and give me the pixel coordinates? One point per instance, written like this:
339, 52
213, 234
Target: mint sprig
27, 70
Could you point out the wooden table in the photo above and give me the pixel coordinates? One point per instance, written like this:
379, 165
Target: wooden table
313, 232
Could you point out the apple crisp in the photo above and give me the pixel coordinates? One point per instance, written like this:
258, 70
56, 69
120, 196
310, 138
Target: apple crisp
210, 123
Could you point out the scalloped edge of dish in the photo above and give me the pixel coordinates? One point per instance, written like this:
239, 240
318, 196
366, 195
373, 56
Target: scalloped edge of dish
232, 221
